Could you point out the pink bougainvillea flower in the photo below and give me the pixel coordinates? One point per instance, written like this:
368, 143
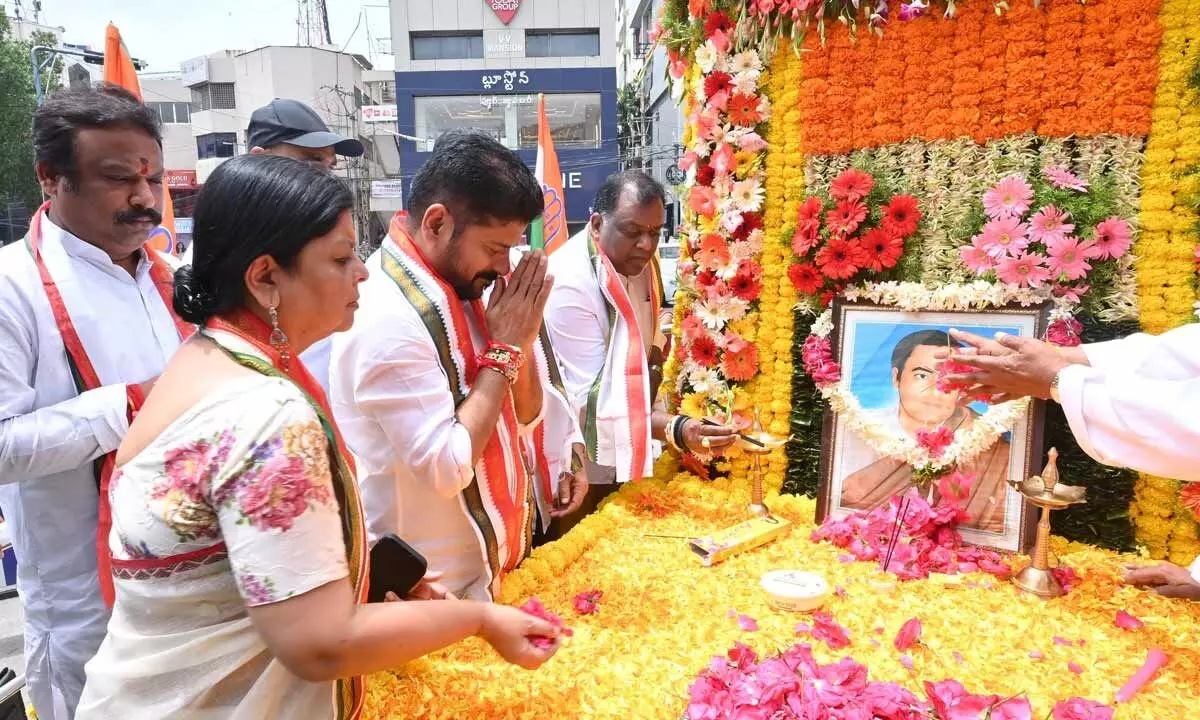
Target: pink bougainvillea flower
1069, 258
976, 258
1004, 237
1075, 667
1049, 225
587, 602
1078, 708
1112, 240
935, 441
535, 607
1008, 198
1125, 621
827, 630
747, 623
1023, 271
1064, 179
909, 635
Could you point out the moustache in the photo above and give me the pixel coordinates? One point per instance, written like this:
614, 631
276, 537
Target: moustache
488, 277
130, 217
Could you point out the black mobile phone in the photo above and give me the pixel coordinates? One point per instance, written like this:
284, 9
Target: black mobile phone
395, 567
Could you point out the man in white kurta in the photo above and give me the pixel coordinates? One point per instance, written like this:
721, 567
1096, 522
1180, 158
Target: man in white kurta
51, 435
1130, 403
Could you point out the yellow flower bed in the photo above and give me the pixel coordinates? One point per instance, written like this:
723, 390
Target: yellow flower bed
1165, 270
663, 616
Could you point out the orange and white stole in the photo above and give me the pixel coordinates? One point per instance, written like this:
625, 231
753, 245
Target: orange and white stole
245, 338
499, 500
617, 422
83, 372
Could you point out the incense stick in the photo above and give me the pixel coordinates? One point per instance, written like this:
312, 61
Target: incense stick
901, 514
747, 438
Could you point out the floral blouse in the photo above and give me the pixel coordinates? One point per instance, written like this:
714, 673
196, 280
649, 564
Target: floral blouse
232, 506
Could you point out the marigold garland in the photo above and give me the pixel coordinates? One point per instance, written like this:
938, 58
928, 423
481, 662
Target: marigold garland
1165, 270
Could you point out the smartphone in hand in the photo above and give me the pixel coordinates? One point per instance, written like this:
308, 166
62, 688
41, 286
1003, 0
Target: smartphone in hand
395, 567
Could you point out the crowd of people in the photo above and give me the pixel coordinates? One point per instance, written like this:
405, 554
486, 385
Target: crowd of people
197, 457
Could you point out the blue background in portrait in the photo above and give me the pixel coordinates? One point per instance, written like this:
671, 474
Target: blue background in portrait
871, 366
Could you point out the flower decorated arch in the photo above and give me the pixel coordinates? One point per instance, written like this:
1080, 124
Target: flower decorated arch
841, 147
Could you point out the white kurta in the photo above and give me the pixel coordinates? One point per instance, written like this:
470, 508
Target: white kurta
577, 320
50, 437
392, 400
1135, 406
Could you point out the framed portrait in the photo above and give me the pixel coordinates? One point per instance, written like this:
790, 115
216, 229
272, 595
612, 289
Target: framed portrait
888, 356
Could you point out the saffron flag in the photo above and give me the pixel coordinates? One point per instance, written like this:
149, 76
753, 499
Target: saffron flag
119, 70
549, 231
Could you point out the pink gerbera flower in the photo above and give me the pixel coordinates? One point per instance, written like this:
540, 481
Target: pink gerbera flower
1049, 225
1068, 257
1024, 270
1004, 237
1008, 198
1113, 238
1064, 179
975, 257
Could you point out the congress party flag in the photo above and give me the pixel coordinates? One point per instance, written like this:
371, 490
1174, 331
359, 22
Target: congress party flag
119, 70
550, 230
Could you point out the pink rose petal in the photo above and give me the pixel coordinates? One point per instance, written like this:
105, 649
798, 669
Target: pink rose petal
958, 657
1035, 655
1075, 667
1125, 621
747, 623
803, 628
907, 662
1063, 641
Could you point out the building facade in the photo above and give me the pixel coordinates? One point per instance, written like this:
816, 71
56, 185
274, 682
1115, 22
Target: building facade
655, 122
481, 64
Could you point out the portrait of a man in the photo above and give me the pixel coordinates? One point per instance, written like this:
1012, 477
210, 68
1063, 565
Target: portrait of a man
921, 406
889, 359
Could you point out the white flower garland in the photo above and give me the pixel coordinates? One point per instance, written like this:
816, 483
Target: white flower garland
968, 443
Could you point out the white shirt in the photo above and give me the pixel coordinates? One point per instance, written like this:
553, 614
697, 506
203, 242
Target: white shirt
393, 403
316, 359
50, 436
1136, 405
577, 317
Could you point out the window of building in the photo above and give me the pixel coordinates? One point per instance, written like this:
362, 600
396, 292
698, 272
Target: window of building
512, 119
447, 46
216, 145
213, 96
179, 113
562, 43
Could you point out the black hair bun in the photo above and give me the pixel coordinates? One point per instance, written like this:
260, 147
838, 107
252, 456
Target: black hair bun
193, 302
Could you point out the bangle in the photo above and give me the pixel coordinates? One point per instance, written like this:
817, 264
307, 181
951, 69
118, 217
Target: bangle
680, 443
504, 359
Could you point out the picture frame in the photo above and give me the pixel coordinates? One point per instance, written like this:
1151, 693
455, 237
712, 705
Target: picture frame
887, 355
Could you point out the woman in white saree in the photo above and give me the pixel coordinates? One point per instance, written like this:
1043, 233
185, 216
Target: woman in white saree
238, 546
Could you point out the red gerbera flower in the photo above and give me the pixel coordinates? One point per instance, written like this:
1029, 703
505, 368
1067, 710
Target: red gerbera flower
751, 221
806, 237
810, 209
851, 185
743, 110
717, 21
881, 249
747, 283
717, 81
806, 278
840, 259
1189, 496
705, 175
901, 215
706, 278
740, 361
704, 351
845, 218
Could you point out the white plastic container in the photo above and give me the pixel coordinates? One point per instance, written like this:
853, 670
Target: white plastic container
795, 590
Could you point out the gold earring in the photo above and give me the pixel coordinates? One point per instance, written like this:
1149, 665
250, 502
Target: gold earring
278, 338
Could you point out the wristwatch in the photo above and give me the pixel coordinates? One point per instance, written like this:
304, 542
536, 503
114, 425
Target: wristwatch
1054, 387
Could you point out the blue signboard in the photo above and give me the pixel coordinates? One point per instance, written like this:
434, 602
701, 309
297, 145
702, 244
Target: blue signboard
584, 169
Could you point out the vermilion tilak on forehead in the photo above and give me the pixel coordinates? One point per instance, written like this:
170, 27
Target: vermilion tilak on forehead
143, 167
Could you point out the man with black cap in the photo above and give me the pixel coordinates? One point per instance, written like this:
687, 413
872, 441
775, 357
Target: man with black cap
292, 129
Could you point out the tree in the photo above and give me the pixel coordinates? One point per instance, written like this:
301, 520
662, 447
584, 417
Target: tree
19, 191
